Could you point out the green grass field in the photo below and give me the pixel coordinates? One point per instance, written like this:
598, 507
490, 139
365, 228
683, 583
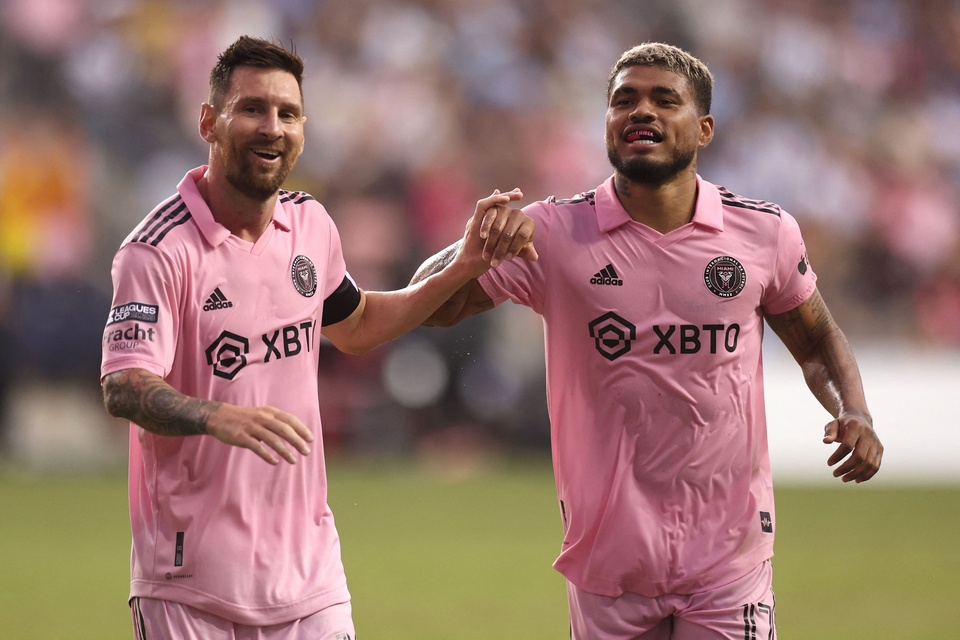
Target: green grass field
434, 559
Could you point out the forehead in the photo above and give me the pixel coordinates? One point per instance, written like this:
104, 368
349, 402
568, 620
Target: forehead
269, 84
646, 77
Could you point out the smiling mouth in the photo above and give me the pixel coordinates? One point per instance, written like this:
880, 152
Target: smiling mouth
267, 154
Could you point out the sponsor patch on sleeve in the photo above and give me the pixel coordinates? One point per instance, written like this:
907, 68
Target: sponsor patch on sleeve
138, 311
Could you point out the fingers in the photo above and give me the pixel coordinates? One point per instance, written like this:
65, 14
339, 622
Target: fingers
510, 234
859, 451
280, 433
507, 232
488, 208
270, 433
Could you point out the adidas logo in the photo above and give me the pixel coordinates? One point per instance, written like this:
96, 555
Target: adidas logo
217, 301
608, 276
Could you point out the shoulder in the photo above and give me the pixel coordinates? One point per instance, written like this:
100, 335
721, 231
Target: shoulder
163, 226
300, 204
755, 217
168, 239
302, 211
298, 199
580, 206
740, 203
582, 201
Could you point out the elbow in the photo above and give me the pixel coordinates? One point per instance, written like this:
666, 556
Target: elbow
356, 344
357, 349
440, 322
111, 398
448, 315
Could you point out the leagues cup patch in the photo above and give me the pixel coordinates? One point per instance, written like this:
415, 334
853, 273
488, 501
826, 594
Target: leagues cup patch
304, 276
725, 277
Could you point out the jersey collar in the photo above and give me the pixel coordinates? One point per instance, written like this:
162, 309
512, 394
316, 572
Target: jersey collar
214, 232
708, 211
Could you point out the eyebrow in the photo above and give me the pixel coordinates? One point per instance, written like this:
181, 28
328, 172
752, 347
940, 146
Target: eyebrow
260, 100
657, 90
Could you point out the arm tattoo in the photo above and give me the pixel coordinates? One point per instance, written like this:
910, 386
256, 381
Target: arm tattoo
484, 305
148, 401
803, 329
437, 263
823, 353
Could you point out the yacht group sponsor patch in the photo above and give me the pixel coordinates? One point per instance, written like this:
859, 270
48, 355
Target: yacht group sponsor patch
725, 276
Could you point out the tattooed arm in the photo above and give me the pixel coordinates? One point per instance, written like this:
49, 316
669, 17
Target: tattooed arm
148, 401
832, 374
469, 300
507, 233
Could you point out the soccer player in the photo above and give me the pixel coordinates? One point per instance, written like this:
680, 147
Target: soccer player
653, 289
211, 351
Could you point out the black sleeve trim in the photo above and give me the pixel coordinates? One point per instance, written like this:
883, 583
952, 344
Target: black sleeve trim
341, 303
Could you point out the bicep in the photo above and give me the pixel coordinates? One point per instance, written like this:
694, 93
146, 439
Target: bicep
804, 328
340, 333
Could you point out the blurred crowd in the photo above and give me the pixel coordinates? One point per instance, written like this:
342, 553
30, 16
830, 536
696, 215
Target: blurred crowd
844, 112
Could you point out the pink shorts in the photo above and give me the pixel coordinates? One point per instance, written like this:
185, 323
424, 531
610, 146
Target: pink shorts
741, 610
160, 619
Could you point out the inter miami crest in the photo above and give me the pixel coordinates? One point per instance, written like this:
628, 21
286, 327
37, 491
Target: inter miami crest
304, 276
725, 277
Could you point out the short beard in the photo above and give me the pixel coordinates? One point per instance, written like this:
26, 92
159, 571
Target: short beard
643, 171
260, 188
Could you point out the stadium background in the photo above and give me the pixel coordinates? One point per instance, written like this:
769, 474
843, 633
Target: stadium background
845, 112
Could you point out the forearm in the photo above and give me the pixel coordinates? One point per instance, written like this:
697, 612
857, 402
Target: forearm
469, 300
387, 315
823, 353
437, 263
146, 400
832, 374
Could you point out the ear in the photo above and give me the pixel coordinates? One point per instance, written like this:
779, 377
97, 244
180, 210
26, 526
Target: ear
706, 130
208, 118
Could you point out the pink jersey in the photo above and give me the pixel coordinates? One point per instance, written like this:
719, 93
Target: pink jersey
214, 526
654, 383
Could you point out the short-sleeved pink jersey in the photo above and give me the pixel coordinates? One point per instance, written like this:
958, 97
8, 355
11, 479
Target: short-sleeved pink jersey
214, 526
654, 386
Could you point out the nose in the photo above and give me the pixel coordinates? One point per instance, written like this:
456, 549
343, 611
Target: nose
270, 124
643, 111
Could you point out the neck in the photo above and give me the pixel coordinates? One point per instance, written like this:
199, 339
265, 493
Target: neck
244, 217
663, 207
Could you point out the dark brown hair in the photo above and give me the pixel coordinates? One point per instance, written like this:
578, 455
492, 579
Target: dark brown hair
252, 52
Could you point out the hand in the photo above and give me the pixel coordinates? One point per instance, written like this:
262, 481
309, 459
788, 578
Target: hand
264, 430
859, 444
506, 232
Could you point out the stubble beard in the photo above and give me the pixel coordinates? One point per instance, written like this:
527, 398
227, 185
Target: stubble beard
256, 183
651, 172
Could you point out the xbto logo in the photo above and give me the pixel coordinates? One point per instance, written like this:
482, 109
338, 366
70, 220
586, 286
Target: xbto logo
692, 337
228, 353
613, 335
